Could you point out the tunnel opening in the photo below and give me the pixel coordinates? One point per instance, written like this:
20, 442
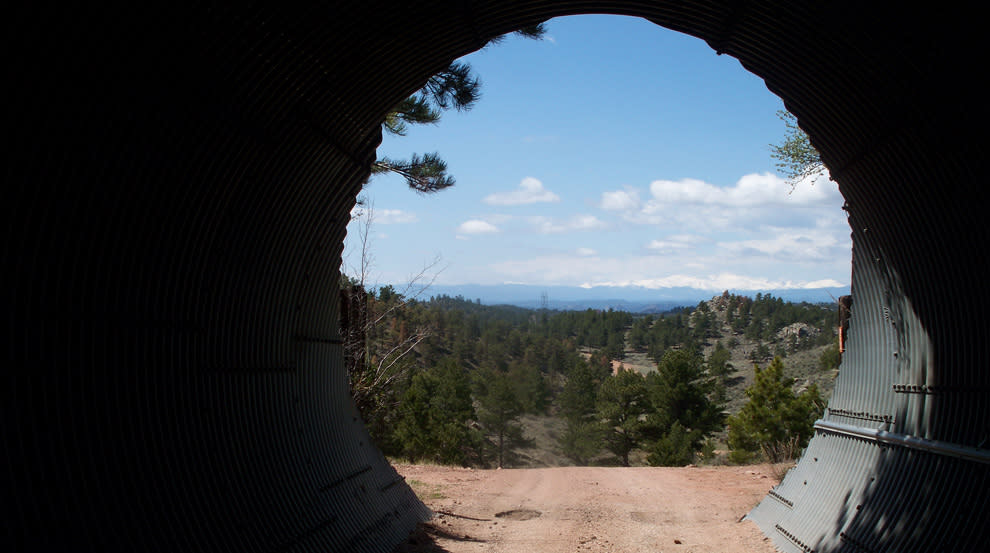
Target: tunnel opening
183, 181
678, 213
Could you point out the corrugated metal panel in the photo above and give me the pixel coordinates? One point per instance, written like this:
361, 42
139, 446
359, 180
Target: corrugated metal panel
184, 183
875, 477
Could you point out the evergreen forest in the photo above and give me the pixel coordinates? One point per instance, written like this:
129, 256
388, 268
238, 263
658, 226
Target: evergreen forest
451, 381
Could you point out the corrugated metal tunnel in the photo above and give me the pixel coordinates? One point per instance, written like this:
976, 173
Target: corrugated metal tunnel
178, 190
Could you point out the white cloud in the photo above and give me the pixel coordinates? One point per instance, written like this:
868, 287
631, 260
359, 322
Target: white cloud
643, 271
665, 245
530, 191
791, 245
753, 190
757, 233
476, 226
675, 242
824, 283
394, 216
702, 207
620, 200
546, 225
722, 281
547, 269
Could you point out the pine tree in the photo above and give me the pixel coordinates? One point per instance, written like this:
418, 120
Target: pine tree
530, 387
577, 400
436, 408
581, 439
684, 407
499, 410
775, 421
719, 368
681, 392
615, 347
622, 404
674, 449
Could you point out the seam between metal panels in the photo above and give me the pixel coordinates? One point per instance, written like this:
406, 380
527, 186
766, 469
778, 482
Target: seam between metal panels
888, 419
794, 539
929, 389
902, 440
782, 499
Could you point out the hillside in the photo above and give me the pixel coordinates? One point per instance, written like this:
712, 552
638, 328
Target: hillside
803, 365
453, 381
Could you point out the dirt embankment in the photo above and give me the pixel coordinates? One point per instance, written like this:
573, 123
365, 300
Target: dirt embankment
590, 509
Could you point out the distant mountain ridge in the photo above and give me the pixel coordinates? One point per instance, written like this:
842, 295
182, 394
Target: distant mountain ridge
631, 298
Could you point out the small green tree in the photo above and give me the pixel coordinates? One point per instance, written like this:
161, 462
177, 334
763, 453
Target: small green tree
615, 347
831, 357
685, 410
582, 438
581, 441
773, 416
436, 408
639, 333
681, 391
499, 410
577, 400
531, 388
622, 406
719, 368
675, 448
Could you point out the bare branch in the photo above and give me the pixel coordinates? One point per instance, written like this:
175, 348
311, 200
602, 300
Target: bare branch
414, 289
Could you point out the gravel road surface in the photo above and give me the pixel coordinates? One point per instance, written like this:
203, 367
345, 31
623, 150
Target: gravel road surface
589, 509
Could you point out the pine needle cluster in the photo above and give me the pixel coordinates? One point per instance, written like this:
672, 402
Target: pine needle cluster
455, 88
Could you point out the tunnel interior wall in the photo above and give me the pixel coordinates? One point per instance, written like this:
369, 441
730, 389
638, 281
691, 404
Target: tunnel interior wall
899, 460
180, 189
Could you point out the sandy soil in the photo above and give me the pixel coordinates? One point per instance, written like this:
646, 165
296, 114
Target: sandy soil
589, 509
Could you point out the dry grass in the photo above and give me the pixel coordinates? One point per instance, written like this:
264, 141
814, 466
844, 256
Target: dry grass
426, 491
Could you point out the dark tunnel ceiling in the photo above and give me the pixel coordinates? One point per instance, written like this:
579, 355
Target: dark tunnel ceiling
180, 184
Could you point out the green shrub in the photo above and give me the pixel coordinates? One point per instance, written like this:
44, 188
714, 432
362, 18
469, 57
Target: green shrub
673, 449
773, 415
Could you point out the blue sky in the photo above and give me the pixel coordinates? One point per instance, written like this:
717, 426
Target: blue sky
613, 152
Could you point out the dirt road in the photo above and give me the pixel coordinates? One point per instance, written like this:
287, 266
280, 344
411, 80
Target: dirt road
590, 509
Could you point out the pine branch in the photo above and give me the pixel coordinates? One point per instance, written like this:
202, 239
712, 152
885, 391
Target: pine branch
415, 110
423, 174
456, 88
535, 32
453, 88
